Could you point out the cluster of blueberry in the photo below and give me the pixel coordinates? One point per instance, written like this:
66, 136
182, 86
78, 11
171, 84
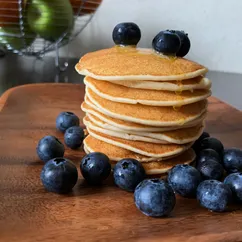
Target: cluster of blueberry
204, 181
153, 197
60, 174
168, 42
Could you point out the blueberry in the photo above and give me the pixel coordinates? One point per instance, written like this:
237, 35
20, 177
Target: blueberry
232, 160
95, 167
59, 175
128, 173
126, 34
66, 120
203, 136
50, 147
207, 154
214, 195
154, 197
185, 43
74, 137
166, 42
234, 181
196, 145
211, 169
184, 180
212, 143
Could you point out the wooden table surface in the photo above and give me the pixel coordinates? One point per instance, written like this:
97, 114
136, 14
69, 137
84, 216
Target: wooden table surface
29, 213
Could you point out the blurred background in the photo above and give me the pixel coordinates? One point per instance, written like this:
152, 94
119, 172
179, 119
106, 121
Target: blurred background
42, 40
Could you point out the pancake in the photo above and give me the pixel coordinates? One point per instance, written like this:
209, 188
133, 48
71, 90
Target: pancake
162, 167
93, 111
101, 123
196, 83
179, 136
147, 149
122, 135
105, 125
117, 124
148, 115
130, 63
151, 168
121, 94
113, 152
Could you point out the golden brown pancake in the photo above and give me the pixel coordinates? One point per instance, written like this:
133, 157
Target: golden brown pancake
152, 167
148, 115
113, 152
89, 124
122, 94
117, 124
178, 136
195, 83
147, 149
130, 63
162, 167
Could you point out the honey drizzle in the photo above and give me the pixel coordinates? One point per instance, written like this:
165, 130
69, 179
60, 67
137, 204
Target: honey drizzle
133, 50
179, 92
182, 122
177, 108
172, 57
180, 84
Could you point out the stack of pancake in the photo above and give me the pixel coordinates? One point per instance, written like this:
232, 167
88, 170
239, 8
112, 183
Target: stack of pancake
143, 105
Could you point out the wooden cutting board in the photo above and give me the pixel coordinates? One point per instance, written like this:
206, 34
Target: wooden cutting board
29, 213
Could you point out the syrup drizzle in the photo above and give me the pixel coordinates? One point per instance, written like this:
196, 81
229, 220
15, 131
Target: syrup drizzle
179, 92
133, 50
177, 108
182, 122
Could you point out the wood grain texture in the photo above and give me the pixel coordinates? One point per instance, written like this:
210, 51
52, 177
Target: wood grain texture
29, 213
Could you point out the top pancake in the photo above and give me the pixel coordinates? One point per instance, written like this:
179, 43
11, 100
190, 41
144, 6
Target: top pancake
130, 63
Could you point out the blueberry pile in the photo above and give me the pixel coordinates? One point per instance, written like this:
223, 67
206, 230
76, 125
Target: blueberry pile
168, 42
60, 174
205, 181
153, 197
